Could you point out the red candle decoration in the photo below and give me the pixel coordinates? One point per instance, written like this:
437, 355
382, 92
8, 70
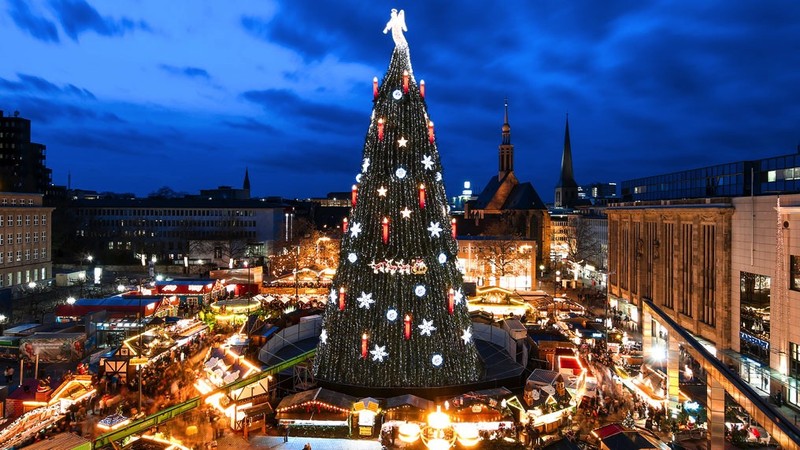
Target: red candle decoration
344, 225
453, 227
385, 226
422, 196
342, 297
380, 129
375, 87
407, 327
354, 195
430, 131
451, 296
364, 343
405, 81
422, 88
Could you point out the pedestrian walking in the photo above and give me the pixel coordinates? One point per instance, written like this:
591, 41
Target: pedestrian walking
286, 434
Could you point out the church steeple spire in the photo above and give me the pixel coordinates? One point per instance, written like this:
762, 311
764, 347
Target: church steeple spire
567, 187
246, 183
506, 148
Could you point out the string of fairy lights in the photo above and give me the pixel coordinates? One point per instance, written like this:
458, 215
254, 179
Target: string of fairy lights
397, 314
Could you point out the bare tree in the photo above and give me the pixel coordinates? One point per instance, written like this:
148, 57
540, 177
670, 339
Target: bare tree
501, 250
583, 244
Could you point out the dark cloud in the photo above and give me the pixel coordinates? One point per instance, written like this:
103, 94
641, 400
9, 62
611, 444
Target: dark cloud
318, 117
34, 84
78, 16
33, 24
186, 71
250, 124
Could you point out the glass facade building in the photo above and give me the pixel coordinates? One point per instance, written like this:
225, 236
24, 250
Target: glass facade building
737, 179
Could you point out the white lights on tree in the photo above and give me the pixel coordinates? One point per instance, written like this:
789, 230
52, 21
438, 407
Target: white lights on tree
406, 213
365, 165
402, 142
426, 327
466, 336
437, 360
333, 296
352, 257
438, 176
382, 191
435, 229
400, 173
442, 258
358, 178
391, 315
365, 300
397, 94
419, 290
427, 162
355, 229
323, 336
378, 353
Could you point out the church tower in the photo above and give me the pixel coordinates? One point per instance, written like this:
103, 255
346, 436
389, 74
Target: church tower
246, 183
566, 188
506, 149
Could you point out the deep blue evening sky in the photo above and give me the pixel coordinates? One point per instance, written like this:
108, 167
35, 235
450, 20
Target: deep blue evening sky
131, 96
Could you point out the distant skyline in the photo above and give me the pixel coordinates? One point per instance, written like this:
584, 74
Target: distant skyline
132, 96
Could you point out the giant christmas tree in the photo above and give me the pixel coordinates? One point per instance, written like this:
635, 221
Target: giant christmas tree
396, 316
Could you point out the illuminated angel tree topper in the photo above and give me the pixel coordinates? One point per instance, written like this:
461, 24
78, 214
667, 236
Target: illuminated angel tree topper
396, 315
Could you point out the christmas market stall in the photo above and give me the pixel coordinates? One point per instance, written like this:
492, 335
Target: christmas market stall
407, 408
62, 441
224, 365
191, 293
315, 408
546, 403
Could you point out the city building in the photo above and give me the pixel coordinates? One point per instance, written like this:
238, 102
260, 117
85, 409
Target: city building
176, 231
22, 166
25, 255
705, 262
507, 206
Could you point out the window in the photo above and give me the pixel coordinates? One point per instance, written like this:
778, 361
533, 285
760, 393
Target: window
44, 219
44, 253
794, 273
1, 220
19, 220
36, 253
10, 220
1, 239
10, 278
27, 238
27, 255
1, 258
19, 238
19, 255
35, 236
27, 220
35, 220
44, 236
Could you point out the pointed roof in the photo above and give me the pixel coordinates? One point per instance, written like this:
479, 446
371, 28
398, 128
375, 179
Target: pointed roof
246, 184
567, 178
506, 126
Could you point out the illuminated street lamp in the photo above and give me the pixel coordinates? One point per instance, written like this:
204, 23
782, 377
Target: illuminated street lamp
541, 270
557, 282
71, 301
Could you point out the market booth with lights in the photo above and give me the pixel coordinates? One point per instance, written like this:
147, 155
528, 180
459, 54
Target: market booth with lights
192, 293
